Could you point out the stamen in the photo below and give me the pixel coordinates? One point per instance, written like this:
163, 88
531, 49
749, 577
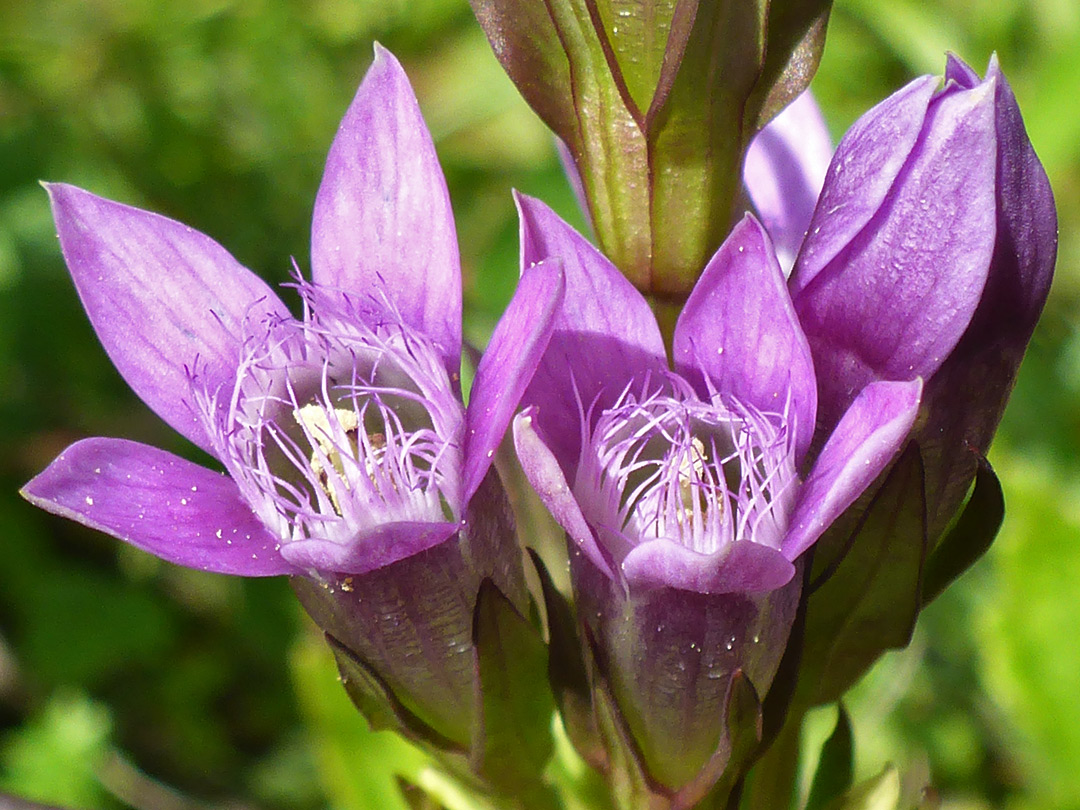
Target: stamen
662, 463
333, 428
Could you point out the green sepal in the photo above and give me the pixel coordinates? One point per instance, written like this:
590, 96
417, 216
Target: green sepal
969, 537
836, 767
514, 741
744, 734
871, 598
377, 702
629, 784
567, 671
795, 39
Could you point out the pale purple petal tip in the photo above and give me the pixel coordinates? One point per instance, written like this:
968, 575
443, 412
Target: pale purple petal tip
864, 442
896, 300
382, 546
604, 332
382, 230
746, 567
163, 298
545, 475
784, 170
739, 329
861, 174
507, 366
174, 509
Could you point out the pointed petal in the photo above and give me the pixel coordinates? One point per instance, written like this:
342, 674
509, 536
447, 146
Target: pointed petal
507, 366
747, 567
966, 397
547, 478
895, 302
862, 445
383, 230
162, 298
158, 502
739, 329
784, 171
605, 333
863, 171
380, 547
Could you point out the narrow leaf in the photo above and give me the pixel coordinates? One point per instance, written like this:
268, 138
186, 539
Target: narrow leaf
969, 537
515, 741
836, 768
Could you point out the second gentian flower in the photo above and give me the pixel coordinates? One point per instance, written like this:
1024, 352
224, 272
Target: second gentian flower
687, 491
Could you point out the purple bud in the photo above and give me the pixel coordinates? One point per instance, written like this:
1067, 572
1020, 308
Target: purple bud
930, 254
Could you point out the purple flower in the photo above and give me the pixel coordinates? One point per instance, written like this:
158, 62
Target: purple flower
930, 254
783, 171
343, 432
693, 485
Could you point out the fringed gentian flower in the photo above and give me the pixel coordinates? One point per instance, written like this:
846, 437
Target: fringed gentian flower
930, 253
688, 494
351, 460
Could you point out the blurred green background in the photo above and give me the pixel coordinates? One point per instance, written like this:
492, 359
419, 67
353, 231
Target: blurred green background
123, 679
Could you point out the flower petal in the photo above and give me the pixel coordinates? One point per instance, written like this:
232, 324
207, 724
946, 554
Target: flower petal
158, 502
784, 170
895, 302
380, 547
862, 445
862, 173
965, 399
383, 230
162, 297
546, 477
516, 345
739, 329
746, 568
604, 333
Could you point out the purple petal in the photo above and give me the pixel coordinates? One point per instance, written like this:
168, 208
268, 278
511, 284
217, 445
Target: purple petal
382, 546
965, 399
155, 501
162, 297
507, 366
546, 477
739, 329
862, 173
604, 333
746, 568
383, 230
897, 298
960, 73
862, 445
784, 170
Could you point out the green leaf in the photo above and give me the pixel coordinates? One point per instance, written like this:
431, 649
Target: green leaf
869, 603
836, 768
566, 669
969, 537
881, 792
55, 756
515, 741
